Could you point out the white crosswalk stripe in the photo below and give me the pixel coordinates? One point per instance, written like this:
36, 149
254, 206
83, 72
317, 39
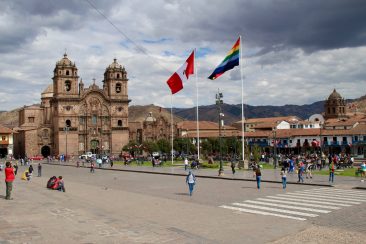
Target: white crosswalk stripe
300, 204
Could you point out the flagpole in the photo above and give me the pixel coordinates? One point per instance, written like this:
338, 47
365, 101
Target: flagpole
242, 101
171, 125
198, 129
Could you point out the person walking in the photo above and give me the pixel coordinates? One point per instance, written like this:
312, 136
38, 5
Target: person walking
331, 172
92, 167
258, 175
39, 170
300, 172
284, 178
9, 178
191, 181
30, 170
16, 168
185, 164
232, 166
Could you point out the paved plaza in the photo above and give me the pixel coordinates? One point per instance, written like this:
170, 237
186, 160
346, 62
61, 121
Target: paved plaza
152, 205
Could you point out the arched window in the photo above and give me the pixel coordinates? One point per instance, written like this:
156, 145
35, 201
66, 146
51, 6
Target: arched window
68, 123
119, 122
67, 72
334, 110
118, 87
67, 85
117, 76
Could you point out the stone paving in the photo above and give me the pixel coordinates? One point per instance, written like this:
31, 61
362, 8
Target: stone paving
94, 210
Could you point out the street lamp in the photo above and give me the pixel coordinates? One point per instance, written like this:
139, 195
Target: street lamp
66, 129
220, 101
275, 147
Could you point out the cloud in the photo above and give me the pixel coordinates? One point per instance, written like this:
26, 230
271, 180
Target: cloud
294, 52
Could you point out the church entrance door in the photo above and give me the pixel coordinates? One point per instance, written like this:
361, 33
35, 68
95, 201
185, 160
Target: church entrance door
46, 151
94, 146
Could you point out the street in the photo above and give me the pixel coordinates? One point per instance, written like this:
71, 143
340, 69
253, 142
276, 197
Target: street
127, 207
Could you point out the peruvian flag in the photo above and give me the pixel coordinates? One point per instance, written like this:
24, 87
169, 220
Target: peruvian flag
176, 81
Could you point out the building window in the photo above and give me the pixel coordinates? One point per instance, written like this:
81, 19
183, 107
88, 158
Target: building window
118, 87
3, 138
82, 120
356, 138
334, 138
311, 126
68, 123
67, 72
334, 110
94, 119
117, 76
325, 139
31, 119
364, 138
119, 123
67, 85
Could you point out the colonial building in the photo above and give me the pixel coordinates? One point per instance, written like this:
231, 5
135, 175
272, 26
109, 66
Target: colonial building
72, 119
6, 141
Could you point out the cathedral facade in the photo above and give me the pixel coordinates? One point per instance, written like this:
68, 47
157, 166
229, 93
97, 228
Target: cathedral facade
72, 119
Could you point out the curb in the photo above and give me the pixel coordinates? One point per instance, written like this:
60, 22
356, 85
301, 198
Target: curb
198, 176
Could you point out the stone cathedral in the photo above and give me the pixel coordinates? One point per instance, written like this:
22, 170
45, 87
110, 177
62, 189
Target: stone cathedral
72, 119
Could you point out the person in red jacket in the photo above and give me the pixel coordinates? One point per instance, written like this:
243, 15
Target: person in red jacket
9, 178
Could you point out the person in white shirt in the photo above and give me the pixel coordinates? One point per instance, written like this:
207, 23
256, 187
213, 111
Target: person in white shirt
185, 164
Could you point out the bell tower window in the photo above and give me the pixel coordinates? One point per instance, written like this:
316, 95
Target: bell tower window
67, 85
68, 123
67, 72
117, 76
119, 122
118, 87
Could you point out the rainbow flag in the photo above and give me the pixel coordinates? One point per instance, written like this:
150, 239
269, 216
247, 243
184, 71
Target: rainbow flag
231, 60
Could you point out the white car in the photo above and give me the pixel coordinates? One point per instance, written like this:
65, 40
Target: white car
87, 155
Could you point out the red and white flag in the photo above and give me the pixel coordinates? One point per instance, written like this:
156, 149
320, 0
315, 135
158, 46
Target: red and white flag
176, 81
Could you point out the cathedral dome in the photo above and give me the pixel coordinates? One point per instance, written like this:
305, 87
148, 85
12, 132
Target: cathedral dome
114, 65
334, 95
65, 61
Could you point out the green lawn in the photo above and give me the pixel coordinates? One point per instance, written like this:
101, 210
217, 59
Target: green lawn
342, 172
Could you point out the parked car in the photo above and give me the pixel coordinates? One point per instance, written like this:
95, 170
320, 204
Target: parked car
87, 155
38, 157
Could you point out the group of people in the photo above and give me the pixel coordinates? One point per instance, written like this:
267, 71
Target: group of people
11, 172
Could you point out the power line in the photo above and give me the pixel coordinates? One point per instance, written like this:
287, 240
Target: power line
139, 47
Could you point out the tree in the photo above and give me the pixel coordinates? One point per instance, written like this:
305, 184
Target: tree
163, 145
150, 146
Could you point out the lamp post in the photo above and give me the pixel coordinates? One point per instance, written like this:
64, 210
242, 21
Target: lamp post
275, 147
66, 129
220, 101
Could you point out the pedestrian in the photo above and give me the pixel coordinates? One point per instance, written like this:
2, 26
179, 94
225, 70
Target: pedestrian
309, 168
191, 181
300, 172
111, 162
232, 166
92, 167
9, 178
185, 164
331, 172
16, 168
258, 175
284, 178
363, 171
30, 170
39, 170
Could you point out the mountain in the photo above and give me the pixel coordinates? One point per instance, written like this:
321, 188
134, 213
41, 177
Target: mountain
232, 113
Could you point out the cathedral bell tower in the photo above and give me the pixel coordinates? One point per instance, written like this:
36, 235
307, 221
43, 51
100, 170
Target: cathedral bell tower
335, 106
115, 81
65, 79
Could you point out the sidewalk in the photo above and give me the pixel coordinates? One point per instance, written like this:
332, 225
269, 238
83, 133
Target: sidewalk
268, 175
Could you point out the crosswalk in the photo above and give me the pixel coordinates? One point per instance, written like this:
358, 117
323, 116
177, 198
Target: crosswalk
300, 205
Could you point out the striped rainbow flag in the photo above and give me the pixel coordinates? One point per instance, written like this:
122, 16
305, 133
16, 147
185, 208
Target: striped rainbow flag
231, 60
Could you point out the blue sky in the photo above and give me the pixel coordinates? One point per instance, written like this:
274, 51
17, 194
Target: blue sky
294, 52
